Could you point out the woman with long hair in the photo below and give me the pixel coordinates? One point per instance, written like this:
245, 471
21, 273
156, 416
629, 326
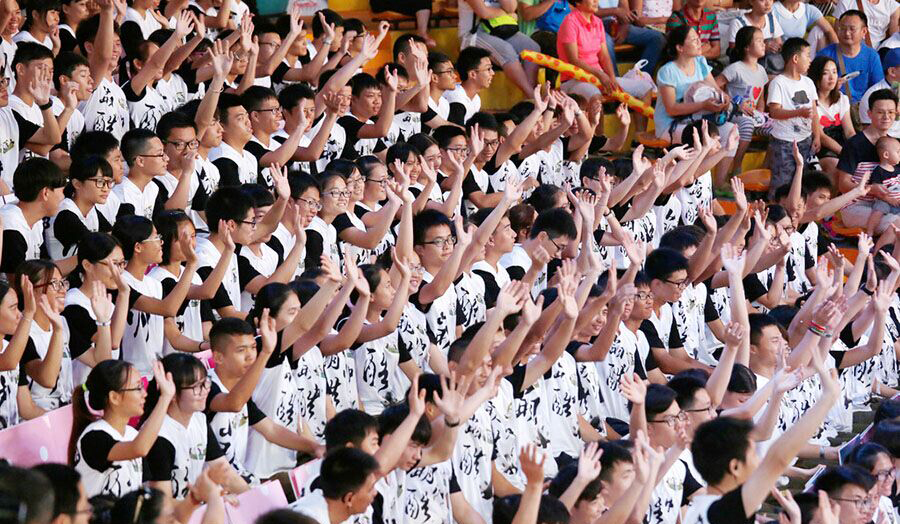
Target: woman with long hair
834, 112
106, 451
41, 24
17, 324
73, 13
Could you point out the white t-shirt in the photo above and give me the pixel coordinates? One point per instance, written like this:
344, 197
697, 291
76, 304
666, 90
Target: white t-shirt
106, 110
9, 145
208, 256
797, 23
745, 82
61, 393
142, 344
98, 474
25, 36
148, 23
878, 15
74, 127
792, 94
379, 379
864, 101
459, 96
314, 506
142, 200
188, 318
771, 28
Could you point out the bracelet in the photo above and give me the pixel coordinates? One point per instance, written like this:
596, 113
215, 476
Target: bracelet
327, 42
451, 425
46, 106
817, 326
867, 291
816, 331
104, 324
608, 212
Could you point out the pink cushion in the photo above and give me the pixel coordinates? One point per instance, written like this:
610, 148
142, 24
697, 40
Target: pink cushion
255, 502
44, 439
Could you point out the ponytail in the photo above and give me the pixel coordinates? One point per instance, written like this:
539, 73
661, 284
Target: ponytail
93, 395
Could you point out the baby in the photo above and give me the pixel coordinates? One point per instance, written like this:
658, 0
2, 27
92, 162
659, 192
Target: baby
888, 149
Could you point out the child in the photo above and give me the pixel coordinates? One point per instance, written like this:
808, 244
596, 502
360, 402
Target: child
761, 17
792, 106
888, 149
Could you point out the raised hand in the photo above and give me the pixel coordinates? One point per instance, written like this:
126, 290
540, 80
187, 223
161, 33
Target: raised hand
452, 397
733, 261
163, 381
187, 249
589, 462
391, 79
463, 236
184, 24
280, 179
531, 310
267, 332
567, 287
633, 388
531, 462
30, 307
784, 498
222, 59
740, 197
49, 310
101, 303
828, 514
734, 335
68, 95
513, 190
330, 270
476, 141
39, 87
416, 398
511, 297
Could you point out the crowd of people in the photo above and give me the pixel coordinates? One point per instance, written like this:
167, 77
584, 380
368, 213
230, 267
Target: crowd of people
233, 253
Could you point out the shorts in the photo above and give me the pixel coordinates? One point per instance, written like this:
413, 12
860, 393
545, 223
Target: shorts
503, 51
782, 163
857, 215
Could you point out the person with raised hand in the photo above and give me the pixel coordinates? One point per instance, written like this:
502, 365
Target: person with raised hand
17, 326
738, 481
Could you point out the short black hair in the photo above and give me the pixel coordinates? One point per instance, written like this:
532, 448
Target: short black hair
64, 480
29, 491
758, 322
134, 143
129, 230
685, 388
228, 327
173, 120
887, 433
834, 478
345, 470
742, 380
436, 57
663, 262
331, 17
793, 46
469, 59
227, 203
290, 97
87, 32
349, 426
65, 63
681, 238
391, 418
253, 98
659, 398
226, 102
362, 81
815, 180
881, 94
444, 134
550, 511
300, 182
716, 443
426, 220
887, 410
284, 516
486, 121
556, 223
564, 479
544, 197
856, 12
94, 143
35, 174
28, 52
259, 194
403, 43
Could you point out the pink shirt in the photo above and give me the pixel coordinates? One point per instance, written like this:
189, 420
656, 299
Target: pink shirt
588, 35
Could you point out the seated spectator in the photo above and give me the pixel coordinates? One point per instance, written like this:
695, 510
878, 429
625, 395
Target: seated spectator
800, 19
498, 33
542, 15
628, 29
881, 18
852, 55
760, 16
834, 112
891, 64
703, 20
475, 73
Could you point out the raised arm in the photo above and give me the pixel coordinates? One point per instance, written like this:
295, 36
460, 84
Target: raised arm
238, 396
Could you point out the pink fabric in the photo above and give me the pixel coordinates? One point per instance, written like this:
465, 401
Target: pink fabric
39, 440
257, 501
299, 477
589, 36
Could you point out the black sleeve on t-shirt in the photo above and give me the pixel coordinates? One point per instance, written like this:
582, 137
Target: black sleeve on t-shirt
691, 485
675, 339
729, 509
753, 288
95, 448
229, 175
254, 414
470, 186
79, 339
246, 271
838, 357
168, 285
597, 144
710, 312
491, 289
403, 350
516, 272
214, 391
652, 335
69, 230
67, 42
279, 72
342, 222
159, 463
15, 251
162, 196
457, 113
256, 149
213, 449
221, 298
315, 246
517, 379
27, 129
352, 126
130, 95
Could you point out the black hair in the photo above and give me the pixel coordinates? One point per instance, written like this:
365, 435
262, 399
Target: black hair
93, 143
290, 97
614, 452
590, 167
659, 399
436, 57
130, 230
107, 376
147, 502
366, 165
426, 220
469, 59
284, 516
134, 143
93, 247
84, 167
675, 37
65, 63
685, 388
444, 134
394, 68
881, 94
430, 383
759, 321
253, 98
556, 223
28, 52
865, 455
742, 380
259, 194
87, 32
887, 433
544, 197
345, 470
887, 410
400, 151
226, 102
167, 223
855, 12
299, 182
64, 480
486, 121
349, 426
228, 327
331, 17
550, 511
564, 479
421, 142
459, 346
681, 238
173, 120
391, 418
185, 369
815, 73
362, 81
716, 443
742, 41
793, 46
836, 477
34, 175
663, 262
521, 217
26, 495
403, 44
272, 296
227, 203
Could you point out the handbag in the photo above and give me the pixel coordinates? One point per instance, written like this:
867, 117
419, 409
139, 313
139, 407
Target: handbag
504, 26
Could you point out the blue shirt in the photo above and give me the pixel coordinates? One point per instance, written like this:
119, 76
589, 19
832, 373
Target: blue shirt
671, 75
553, 17
866, 62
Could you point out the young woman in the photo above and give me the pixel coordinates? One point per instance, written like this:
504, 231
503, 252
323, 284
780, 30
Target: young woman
90, 183
142, 247
321, 235
745, 79
876, 459
186, 331
379, 378
449, 203
47, 361
405, 163
184, 446
73, 13
41, 25
18, 325
89, 304
834, 112
375, 191
259, 264
106, 451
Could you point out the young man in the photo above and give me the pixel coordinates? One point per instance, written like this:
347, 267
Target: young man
792, 103
146, 158
849, 486
179, 186
265, 112
724, 454
32, 106
476, 72
230, 409
364, 137
70, 502
346, 487
236, 165
98, 39
499, 243
103, 144
38, 187
855, 55
298, 107
68, 69
443, 79
891, 64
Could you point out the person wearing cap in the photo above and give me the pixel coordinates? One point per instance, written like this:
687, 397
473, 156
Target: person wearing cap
891, 63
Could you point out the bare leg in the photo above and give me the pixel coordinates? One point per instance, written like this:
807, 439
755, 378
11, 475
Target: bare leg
720, 174
422, 17
519, 77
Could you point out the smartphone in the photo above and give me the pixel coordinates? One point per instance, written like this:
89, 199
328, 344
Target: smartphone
850, 76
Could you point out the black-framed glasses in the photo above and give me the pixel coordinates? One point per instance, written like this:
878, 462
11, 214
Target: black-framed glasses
267, 110
444, 72
440, 242
56, 285
861, 504
558, 247
334, 193
681, 284
707, 409
101, 183
643, 295
355, 180
120, 264
179, 145
251, 223
153, 156
380, 181
459, 149
313, 204
139, 387
671, 420
492, 143
885, 474
199, 387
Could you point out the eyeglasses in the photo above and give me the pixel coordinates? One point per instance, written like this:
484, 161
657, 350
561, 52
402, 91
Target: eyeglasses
56, 285
861, 504
103, 182
381, 181
334, 193
314, 204
139, 387
643, 295
153, 156
492, 143
707, 409
558, 247
121, 264
681, 284
459, 149
155, 238
444, 72
419, 269
179, 145
670, 420
355, 180
199, 387
263, 110
885, 474
251, 223
440, 242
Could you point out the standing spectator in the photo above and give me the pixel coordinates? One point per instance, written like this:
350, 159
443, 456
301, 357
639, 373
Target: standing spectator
703, 20
882, 17
852, 55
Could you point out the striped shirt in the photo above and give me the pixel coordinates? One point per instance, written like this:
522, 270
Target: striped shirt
707, 26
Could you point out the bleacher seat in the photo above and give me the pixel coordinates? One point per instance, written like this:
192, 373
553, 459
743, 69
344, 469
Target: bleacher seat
39, 440
649, 140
